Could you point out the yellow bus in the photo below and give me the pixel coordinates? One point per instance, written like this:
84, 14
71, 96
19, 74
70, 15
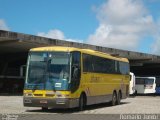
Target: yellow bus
67, 77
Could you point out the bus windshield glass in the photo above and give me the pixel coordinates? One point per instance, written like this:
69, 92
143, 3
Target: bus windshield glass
144, 81
48, 71
149, 81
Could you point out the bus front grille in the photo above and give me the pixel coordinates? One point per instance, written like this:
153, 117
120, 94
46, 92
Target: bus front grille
49, 95
38, 95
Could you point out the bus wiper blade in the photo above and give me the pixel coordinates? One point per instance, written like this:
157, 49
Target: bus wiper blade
34, 88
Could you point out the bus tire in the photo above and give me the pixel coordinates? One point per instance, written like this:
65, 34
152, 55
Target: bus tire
135, 93
114, 99
44, 108
119, 98
81, 102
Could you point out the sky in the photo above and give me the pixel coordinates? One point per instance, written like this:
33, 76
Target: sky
132, 25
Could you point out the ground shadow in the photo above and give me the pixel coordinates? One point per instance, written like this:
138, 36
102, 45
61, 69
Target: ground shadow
131, 96
75, 110
11, 94
151, 95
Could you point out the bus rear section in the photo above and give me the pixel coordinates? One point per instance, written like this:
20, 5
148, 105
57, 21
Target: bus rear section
145, 85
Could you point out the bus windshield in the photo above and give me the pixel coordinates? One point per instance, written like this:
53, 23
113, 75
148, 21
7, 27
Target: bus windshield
145, 81
149, 81
48, 71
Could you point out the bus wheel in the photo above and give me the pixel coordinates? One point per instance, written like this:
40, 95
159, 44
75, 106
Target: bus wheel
44, 108
81, 103
114, 98
135, 93
119, 98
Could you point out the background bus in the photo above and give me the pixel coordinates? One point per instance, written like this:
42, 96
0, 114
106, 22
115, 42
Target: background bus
64, 77
132, 84
145, 85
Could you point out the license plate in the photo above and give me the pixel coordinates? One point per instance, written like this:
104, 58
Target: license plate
27, 101
43, 101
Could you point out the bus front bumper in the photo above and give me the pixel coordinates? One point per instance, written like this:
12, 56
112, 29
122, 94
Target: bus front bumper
50, 102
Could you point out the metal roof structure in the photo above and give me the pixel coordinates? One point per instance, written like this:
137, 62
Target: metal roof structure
13, 42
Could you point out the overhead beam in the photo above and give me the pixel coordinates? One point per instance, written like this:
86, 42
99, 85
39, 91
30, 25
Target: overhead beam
30, 41
136, 64
4, 42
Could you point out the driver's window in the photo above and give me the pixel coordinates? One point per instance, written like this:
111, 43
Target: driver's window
76, 71
76, 64
76, 58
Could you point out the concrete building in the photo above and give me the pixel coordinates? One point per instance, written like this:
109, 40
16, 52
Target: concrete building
14, 49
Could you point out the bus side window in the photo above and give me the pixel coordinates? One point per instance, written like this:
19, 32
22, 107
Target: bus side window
75, 70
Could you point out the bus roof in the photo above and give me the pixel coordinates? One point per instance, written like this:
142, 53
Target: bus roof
146, 77
87, 51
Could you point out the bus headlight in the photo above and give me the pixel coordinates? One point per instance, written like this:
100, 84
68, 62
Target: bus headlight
65, 96
62, 96
28, 95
